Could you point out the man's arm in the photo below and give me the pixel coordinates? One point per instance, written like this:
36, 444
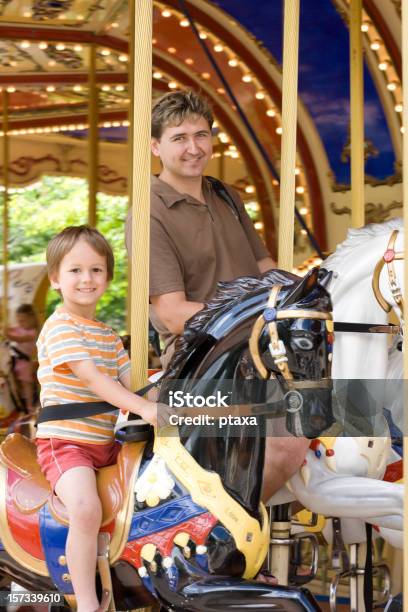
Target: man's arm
174, 310
265, 264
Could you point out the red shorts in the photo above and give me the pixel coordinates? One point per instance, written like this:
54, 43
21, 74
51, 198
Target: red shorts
58, 456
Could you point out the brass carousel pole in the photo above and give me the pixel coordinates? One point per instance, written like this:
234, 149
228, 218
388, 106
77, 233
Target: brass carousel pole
140, 187
358, 552
280, 519
289, 125
131, 71
356, 115
6, 155
404, 43
93, 112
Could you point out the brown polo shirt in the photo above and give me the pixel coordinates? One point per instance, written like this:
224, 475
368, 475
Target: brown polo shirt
193, 245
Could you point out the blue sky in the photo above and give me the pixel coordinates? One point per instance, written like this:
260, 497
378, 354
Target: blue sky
323, 76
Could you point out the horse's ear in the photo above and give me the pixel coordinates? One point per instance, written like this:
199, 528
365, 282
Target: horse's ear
303, 288
325, 277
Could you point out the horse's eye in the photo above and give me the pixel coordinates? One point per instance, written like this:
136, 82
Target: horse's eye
305, 344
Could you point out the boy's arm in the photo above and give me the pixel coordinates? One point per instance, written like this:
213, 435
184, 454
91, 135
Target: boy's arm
125, 380
11, 335
112, 392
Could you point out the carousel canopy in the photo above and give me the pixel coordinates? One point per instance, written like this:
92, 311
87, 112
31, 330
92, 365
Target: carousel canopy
48, 78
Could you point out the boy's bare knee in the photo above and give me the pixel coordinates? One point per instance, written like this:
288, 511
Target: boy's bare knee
87, 515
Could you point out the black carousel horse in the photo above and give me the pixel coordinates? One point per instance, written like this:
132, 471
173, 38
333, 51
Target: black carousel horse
182, 519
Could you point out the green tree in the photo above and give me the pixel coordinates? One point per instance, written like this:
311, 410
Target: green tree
45, 208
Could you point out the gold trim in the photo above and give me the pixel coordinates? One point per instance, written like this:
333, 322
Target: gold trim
376, 286
303, 314
71, 601
124, 516
273, 332
11, 546
319, 383
375, 283
254, 348
206, 489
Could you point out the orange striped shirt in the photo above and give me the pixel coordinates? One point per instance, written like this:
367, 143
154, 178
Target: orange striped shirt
64, 338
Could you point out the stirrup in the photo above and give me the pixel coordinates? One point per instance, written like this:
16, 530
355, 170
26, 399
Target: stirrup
107, 601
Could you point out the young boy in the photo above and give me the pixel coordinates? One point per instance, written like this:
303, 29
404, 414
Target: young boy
82, 360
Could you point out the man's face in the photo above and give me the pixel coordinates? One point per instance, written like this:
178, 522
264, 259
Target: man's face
185, 149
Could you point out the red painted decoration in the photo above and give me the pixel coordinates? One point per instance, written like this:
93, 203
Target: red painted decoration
393, 472
329, 452
24, 527
314, 444
389, 255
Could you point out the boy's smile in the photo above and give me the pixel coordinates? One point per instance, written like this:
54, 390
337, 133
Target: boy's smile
82, 279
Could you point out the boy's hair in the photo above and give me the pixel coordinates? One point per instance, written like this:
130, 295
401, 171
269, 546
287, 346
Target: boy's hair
176, 106
28, 310
63, 242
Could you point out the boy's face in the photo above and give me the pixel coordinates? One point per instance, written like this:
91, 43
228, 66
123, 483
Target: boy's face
24, 320
185, 149
82, 279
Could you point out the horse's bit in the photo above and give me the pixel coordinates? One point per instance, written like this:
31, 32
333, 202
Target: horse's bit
270, 315
388, 258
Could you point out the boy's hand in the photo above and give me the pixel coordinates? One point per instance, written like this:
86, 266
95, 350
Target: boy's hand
157, 414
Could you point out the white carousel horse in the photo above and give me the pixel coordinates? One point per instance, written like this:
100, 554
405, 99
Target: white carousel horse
342, 475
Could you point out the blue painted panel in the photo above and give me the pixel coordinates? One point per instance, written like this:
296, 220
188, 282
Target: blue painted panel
153, 520
54, 538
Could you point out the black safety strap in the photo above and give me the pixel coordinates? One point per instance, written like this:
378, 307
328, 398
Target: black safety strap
222, 192
79, 410
17, 354
366, 328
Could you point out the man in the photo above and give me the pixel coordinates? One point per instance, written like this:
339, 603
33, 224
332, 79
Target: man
197, 240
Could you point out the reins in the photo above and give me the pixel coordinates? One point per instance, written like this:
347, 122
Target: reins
388, 259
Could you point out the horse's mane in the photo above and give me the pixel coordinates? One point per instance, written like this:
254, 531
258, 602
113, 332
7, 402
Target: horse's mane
227, 294
358, 237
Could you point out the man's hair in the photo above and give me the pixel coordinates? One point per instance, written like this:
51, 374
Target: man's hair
176, 106
63, 242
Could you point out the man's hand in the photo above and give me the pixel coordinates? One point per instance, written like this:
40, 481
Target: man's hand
173, 310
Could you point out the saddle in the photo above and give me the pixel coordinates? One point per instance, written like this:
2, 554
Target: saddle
32, 490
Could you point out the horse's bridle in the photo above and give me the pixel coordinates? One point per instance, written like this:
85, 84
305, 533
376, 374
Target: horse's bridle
270, 315
388, 258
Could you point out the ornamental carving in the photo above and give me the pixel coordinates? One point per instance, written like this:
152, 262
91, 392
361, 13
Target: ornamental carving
3, 4
25, 170
10, 55
22, 166
374, 213
50, 9
397, 5
68, 57
370, 150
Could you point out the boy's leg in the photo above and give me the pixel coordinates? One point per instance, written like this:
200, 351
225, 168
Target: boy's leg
77, 490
